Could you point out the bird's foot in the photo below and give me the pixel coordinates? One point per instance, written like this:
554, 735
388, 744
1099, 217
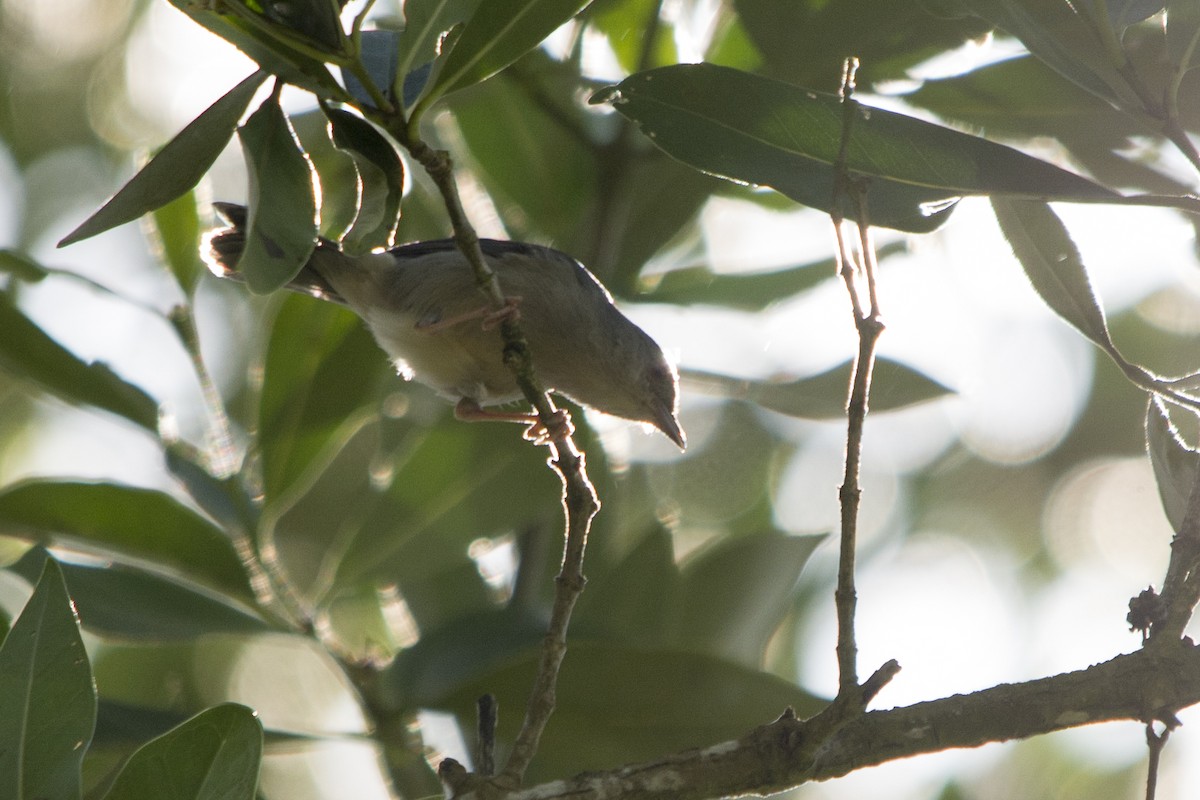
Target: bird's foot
559, 425
490, 317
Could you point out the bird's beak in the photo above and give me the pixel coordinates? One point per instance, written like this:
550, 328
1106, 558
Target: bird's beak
665, 421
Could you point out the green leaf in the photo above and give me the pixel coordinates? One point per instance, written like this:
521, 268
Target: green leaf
1175, 463
1053, 265
281, 231
1021, 98
179, 166
381, 176
215, 755
519, 146
617, 704
21, 266
136, 604
755, 130
452, 484
636, 600
47, 697
177, 230
823, 396
321, 369
27, 352
807, 42
426, 22
1183, 33
743, 291
497, 34
738, 592
1056, 33
274, 56
130, 521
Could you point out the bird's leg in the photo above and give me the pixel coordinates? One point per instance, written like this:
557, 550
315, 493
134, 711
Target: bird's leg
491, 317
469, 410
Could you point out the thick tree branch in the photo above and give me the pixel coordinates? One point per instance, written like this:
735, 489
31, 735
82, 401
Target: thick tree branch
1145, 685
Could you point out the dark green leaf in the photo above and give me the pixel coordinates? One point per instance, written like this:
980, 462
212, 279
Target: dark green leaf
119, 723
21, 266
281, 230
177, 226
737, 593
1022, 98
452, 484
636, 602
663, 196
177, 167
823, 396
1057, 34
276, 58
1183, 33
1053, 265
807, 42
1175, 463
744, 291
425, 24
520, 147
617, 705
322, 367
755, 130
27, 352
497, 34
128, 603
47, 697
316, 20
130, 521
381, 175
213, 756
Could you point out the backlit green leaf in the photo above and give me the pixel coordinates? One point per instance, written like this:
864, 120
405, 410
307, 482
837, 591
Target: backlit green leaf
47, 697
177, 167
130, 521
215, 755
497, 34
27, 352
381, 175
281, 230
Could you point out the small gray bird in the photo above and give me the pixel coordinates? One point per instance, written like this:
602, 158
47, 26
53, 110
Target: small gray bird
419, 299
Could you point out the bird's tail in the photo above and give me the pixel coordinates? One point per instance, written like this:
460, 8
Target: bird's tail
224, 248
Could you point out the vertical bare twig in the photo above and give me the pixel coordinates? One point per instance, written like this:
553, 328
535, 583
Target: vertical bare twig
870, 326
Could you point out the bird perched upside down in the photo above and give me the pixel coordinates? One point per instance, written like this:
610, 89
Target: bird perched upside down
419, 301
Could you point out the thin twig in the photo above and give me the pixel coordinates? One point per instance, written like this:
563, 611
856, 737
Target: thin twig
580, 502
485, 752
869, 329
1155, 743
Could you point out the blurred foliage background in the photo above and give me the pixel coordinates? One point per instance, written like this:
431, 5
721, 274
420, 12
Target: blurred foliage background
1008, 516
